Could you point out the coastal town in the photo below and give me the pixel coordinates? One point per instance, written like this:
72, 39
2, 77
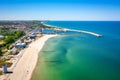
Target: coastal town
15, 36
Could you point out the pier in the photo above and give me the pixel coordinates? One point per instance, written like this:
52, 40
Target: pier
82, 31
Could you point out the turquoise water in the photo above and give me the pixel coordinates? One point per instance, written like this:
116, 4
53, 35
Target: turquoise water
81, 57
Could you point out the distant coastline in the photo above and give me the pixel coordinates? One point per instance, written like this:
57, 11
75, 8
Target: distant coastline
82, 31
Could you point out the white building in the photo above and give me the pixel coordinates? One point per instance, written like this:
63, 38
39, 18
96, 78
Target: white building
1, 37
20, 45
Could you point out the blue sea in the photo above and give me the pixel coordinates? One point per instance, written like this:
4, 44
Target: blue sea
81, 56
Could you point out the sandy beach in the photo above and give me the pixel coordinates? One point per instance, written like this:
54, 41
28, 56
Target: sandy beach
26, 64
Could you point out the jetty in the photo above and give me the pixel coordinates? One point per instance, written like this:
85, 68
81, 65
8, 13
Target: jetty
82, 31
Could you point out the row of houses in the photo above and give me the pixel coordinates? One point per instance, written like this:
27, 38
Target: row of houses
18, 26
23, 44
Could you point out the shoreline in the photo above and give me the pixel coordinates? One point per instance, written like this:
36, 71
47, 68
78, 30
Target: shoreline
26, 64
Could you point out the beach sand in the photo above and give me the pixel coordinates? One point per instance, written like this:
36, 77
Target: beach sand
26, 64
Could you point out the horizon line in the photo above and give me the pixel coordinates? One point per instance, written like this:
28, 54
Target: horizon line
56, 20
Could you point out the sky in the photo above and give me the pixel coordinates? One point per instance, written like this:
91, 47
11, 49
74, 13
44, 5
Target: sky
86, 10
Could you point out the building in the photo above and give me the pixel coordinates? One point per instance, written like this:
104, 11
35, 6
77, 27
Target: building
1, 37
14, 51
4, 69
32, 36
20, 45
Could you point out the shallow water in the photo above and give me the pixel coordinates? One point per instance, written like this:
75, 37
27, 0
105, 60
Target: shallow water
81, 57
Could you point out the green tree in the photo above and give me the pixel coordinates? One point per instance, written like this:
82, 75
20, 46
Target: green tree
20, 33
1, 52
9, 39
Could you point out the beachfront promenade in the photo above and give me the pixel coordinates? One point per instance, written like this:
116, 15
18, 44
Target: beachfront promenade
26, 64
